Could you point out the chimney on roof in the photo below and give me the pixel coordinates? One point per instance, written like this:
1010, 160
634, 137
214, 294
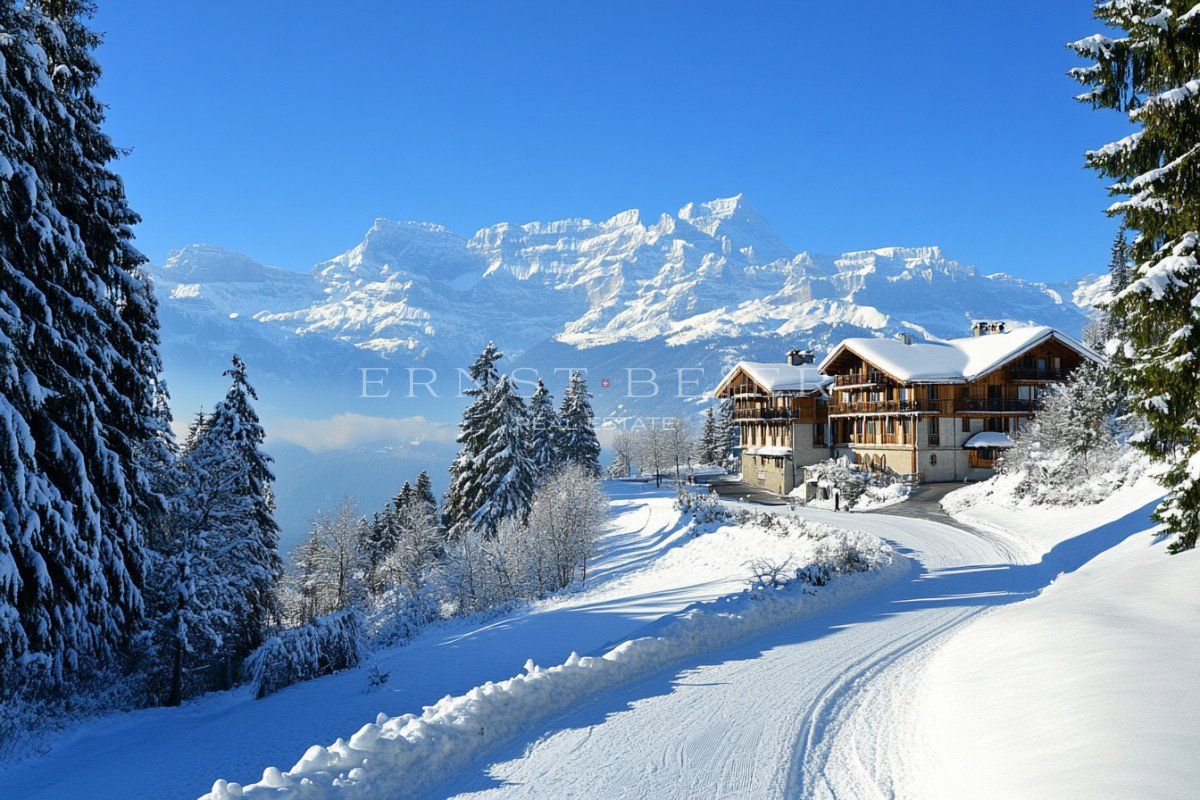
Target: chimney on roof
983, 327
798, 358
904, 338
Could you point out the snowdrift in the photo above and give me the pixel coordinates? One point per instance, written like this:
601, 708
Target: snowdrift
391, 757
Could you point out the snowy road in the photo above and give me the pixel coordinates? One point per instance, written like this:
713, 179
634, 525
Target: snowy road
649, 565
820, 709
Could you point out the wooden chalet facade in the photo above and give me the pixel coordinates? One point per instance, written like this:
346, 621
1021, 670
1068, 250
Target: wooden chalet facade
926, 411
920, 409
782, 415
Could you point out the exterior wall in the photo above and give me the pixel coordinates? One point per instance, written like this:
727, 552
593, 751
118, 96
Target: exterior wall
773, 473
945, 462
805, 452
769, 473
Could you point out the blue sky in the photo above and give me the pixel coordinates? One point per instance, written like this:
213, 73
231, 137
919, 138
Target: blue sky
284, 128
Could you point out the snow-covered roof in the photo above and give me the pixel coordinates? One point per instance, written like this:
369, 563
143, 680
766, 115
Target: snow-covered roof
952, 359
990, 439
780, 377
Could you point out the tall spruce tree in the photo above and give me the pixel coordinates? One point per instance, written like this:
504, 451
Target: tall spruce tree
507, 473
708, 448
187, 588
544, 432
239, 475
577, 442
423, 491
78, 336
727, 436
1152, 74
464, 495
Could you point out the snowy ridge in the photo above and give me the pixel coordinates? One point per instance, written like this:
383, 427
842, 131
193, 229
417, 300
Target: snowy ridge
390, 757
712, 274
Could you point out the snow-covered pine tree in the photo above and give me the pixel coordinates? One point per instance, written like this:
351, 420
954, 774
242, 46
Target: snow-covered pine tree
378, 540
463, 497
577, 442
418, 545
239, 474
423, 491
544, 432
507, 474
727, 437
78, 335
1105, 326
1152, 74
708, 449
186, 587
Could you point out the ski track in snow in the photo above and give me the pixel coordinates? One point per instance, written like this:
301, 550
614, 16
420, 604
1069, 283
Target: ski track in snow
826, 707
821, 709
650, 565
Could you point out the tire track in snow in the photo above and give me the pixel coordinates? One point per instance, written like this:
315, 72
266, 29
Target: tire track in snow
816, 709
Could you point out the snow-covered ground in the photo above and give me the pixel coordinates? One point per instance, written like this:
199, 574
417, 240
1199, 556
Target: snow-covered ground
650, 565
1028, 653
857, 703
1087, 690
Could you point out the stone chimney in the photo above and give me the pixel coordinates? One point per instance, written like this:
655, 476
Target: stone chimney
983, 327
904, 338
798, 358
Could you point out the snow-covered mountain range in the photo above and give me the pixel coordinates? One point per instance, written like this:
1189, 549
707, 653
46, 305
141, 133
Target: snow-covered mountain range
629, 299
696, 289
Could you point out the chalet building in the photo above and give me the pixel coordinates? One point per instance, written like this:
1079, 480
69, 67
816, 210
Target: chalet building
781, 410
941, 410
926, 411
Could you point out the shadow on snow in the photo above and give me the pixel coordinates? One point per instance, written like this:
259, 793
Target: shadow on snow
970, 587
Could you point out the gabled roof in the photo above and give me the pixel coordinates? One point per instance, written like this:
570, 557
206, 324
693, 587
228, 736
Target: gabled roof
952, 360
779, 377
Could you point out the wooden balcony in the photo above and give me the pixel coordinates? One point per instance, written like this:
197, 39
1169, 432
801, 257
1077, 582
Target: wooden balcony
859, 379
889, 406
767, 413
946, 407
1027, 374
878, 439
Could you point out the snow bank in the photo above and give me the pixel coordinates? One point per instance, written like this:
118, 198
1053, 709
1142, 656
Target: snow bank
1087, 690
391, 757
1000, 504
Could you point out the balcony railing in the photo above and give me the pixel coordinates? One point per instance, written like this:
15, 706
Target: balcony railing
954, 406
991, 404
877, 439
859, 379
1029, 374
765, 413
884, 406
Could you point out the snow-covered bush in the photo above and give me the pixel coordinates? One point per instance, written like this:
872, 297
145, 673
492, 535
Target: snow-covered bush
399, 612
842, 477
704, 508
394, 756
855, 488
767, 574
837, 552
842, 553
326, 645
1075, 448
